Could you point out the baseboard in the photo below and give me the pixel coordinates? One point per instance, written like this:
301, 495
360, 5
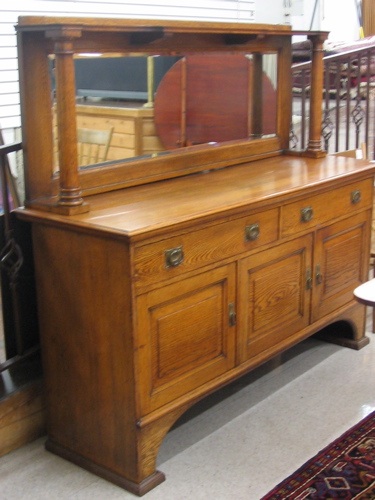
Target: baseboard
22, 417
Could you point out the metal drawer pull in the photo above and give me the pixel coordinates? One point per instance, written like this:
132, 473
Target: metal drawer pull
252, 232
232, 315
309, 281
173, 257
306, 214
356, 196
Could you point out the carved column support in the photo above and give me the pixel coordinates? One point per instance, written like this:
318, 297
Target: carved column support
70, 194
314, 147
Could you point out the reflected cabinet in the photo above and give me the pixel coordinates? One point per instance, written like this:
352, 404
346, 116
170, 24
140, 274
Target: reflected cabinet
198, 247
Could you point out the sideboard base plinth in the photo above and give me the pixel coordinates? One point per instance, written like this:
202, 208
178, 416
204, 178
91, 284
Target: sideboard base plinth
138, 489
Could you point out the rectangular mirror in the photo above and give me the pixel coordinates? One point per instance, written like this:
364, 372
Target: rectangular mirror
138, 106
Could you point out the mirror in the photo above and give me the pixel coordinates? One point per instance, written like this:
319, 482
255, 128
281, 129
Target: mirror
131, 106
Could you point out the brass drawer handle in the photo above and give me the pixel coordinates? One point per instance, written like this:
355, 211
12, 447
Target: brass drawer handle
232, 315
307, 214
173, 257
252, 232
356, 196
309, 281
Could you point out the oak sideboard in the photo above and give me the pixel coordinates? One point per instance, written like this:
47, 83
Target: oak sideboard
162, 278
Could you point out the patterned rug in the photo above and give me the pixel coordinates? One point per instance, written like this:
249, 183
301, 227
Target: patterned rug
345, 469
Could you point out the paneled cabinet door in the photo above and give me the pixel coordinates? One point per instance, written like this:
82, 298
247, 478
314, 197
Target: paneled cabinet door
340, 263
186, 335
275, 290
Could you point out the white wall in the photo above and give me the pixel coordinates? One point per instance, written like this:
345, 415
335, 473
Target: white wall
269, 12
339, 17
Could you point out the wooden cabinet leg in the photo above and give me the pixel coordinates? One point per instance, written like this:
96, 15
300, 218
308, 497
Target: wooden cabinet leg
139, 489
348, 329
148, 436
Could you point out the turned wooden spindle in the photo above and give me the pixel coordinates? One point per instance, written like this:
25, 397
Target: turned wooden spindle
70, 194
317, 70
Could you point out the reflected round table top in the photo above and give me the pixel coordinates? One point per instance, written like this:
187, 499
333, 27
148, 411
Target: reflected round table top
365, 293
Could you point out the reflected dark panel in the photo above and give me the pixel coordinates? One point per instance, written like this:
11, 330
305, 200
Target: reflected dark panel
118, 77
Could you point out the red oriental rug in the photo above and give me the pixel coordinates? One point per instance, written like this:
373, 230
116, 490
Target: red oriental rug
345, 469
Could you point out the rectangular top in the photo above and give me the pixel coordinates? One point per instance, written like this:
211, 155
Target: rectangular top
138, 211
40, 23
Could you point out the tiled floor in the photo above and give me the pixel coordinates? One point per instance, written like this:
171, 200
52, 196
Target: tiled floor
236, 444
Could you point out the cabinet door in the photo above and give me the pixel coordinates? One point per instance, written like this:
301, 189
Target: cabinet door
340, 263
275, 295
186, 335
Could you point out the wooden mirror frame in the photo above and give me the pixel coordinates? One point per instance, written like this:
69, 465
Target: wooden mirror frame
39, 37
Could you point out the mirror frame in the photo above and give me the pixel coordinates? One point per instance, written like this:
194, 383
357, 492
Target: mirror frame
38, 37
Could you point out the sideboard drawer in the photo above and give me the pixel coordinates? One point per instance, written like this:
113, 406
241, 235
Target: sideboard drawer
315, 210
173, 256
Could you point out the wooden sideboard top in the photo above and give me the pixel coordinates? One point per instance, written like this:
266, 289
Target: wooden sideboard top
140, 210
41, 23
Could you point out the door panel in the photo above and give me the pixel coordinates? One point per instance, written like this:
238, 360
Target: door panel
342, 249
274, 300
185, 338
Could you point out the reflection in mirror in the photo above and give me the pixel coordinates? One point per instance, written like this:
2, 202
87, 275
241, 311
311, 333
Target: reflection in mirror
211, 98
132, 106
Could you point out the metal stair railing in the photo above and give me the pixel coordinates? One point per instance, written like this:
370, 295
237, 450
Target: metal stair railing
348, 101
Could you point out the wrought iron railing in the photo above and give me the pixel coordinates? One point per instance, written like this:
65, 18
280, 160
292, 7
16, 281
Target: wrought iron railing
18, 298
348, 102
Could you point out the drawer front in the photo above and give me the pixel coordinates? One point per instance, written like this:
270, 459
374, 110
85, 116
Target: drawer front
319, 209
173, 256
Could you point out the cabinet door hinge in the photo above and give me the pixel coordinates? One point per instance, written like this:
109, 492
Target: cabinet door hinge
232, 315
